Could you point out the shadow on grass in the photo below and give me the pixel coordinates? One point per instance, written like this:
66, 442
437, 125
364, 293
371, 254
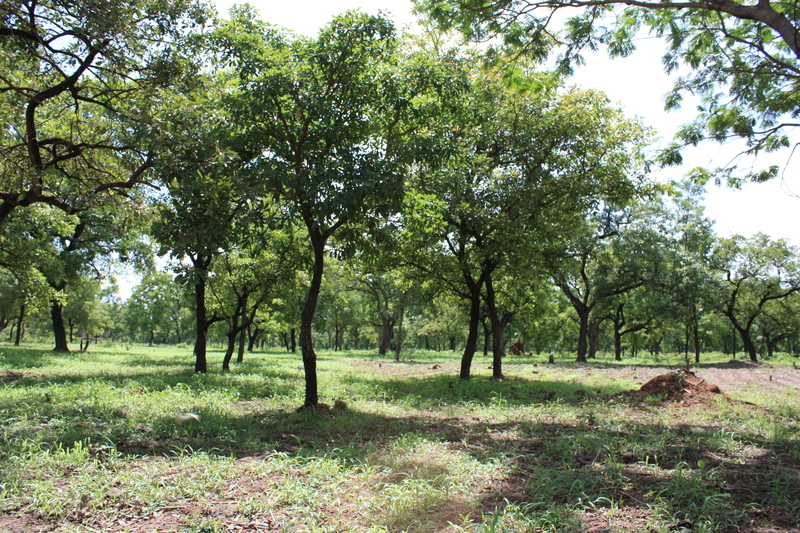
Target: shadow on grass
425, 392
700, 473
696, 473
19, 357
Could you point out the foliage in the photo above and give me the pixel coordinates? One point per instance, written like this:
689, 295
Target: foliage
752, 274
742, 59
79, 82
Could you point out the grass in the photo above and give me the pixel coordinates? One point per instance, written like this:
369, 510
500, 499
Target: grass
90, 441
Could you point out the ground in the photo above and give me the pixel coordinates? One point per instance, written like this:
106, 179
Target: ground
629, 478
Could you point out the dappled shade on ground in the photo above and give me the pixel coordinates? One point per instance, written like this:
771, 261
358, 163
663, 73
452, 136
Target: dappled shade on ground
554, 447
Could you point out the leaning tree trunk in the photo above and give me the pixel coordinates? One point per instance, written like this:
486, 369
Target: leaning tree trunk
59, 331
232, 334
748, 345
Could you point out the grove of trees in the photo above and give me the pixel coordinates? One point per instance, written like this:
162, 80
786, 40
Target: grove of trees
364, 189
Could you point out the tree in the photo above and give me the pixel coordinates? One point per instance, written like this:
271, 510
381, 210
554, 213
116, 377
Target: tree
527, 163
78, 83
24, 249
753, 273
744, 60
196, 225
320, 121
56, 250
248, 275
154, 308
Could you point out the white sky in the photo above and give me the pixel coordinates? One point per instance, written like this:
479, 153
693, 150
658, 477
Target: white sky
638, 84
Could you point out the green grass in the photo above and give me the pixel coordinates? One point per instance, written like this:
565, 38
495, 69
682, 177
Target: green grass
90, 441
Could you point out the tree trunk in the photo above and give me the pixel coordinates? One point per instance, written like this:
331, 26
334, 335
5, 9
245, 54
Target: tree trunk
583, 333
240, 355
18, 338
307, 320
385, 337
472, 336
696, 334
487, 336
400, 331
497, 330
617, 342
293, 340
226, 361
200, 364
59, 331
593, 338
747, 343
252, 337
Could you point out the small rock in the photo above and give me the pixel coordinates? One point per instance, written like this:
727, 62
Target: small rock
182, 418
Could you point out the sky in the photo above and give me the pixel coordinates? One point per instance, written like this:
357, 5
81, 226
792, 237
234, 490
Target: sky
636, 83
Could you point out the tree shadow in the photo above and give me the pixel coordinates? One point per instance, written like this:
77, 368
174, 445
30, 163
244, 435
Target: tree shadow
442, 390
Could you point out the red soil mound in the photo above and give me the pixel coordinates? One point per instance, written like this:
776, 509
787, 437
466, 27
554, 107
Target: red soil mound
677, 386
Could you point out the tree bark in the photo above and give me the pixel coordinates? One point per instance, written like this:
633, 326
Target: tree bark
385, 337
252, 337
18, 338
400, 331
497, 330
583, 333
226, 361
696, 334
307, 319
593, 338
201, 323
748, 345
472, 335
487, 336
59, 331
240, 355
617, 343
